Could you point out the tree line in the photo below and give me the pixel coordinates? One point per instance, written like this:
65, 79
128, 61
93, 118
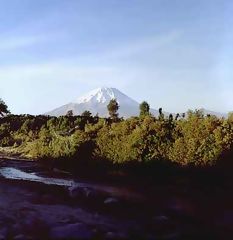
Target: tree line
187, 140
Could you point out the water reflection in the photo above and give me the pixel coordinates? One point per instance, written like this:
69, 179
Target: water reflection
13, 173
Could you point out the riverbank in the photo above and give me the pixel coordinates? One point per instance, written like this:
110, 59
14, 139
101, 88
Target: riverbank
36, 210
46, 210
90, 210
167, 203
32, 211
13, 153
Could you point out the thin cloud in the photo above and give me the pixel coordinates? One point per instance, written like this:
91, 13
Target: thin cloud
13, 43
63, 73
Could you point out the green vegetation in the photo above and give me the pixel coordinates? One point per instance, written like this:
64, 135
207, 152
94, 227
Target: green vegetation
144, 109
113, 107
3, 108
192, 140
69, 113
86, 114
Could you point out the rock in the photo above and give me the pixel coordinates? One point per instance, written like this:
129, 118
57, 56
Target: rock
20, 237
111, 200
2, 236
81, 192
56, 170
110, 235
3, 233
165, 228
89, 193
17, 227
71, 231
75, 191
65, 221
161, 218
114, 236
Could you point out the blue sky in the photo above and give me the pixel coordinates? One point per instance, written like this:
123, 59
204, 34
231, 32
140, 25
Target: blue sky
175, 54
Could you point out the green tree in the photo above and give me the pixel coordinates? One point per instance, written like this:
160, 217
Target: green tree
113, 107
161, 115
86, 114
144, 109
170, 118
3, 108
198, 140
177, 116
64, 123
70, 113
230, 117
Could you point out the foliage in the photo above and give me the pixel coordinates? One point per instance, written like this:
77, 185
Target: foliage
144, 109
86, 114
70, 113
3, 108
113, 107
192, 140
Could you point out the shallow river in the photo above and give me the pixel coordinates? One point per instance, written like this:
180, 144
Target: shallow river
16, 174
36, 203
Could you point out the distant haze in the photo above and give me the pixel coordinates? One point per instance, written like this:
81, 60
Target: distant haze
174, 54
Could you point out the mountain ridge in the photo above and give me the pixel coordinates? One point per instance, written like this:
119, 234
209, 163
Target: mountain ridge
96, 102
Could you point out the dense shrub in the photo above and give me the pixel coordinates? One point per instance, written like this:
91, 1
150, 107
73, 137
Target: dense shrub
192, 140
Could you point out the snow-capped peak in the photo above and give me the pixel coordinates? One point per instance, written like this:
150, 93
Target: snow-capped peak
104, 95
96, 102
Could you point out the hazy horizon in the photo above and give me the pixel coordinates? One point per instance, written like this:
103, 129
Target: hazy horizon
173, 54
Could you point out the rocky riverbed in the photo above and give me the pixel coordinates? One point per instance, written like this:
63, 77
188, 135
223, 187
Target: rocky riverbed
38, 204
